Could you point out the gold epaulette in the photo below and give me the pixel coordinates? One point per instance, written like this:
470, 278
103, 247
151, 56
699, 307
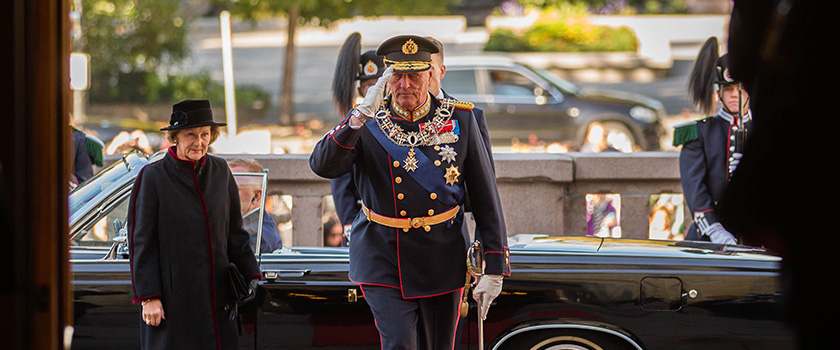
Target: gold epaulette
467, 106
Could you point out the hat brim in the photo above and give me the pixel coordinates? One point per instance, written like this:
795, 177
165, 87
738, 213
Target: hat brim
188, 126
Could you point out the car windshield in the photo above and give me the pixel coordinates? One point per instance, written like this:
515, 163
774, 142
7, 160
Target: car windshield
561, 83
102, 182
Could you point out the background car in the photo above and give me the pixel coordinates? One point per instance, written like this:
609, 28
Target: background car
523, 103
564, 292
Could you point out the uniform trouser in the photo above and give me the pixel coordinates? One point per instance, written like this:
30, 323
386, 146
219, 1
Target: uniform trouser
418, 323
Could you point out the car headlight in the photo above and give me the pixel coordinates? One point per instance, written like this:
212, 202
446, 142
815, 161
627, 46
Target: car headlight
643, 114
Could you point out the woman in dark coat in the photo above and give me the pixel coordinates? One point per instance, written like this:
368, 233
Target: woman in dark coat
185, 227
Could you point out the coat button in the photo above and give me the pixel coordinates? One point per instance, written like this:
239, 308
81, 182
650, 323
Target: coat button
433, 196
431, 212
398, 179
437, 163
403, 213
400, 196
396, 164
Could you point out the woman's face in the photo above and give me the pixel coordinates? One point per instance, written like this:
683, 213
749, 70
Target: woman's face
192, 143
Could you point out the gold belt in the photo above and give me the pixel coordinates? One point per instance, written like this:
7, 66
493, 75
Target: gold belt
425, 222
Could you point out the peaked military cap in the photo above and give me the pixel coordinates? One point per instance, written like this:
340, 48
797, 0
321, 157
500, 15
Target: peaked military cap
372, 65
408, 53
191, 114
722, 75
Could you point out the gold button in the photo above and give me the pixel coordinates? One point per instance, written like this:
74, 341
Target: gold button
398, 179
403, 213
437, 148
437, 163
433, 196
400, 196
396, 164
431, 212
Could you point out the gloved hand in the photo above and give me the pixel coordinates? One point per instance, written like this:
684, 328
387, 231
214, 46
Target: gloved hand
487, 289
252, 289
718, 234
374, 95
734, 160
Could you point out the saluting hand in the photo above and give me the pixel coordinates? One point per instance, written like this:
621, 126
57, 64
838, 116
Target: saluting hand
374, 95
487, 289
153, 312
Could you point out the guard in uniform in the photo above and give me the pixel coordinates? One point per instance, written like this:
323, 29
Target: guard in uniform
712, 146
411, 156
352, 69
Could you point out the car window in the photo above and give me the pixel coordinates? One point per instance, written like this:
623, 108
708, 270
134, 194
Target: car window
101, 231
459, 82
261, 226
509, 83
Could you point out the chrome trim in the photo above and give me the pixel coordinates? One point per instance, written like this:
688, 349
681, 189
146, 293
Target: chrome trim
568, 326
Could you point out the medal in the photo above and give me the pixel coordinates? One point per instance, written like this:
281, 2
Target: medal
410, 163
447, 154
451, 175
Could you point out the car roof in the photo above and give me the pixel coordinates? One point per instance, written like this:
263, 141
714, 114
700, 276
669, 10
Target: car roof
479, 60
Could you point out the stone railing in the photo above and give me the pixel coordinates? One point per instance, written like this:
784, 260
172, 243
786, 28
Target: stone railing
540, 193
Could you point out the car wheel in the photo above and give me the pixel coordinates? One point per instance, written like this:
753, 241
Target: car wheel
616, 134
566, 340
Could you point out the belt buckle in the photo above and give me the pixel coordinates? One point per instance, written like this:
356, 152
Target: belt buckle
420, 222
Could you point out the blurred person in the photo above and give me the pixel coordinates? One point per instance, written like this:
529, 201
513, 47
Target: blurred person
125, 142
86, 152
352, 69
412, 156
711, 147
783, 188
250, 201
333, 232
185, 228
601, 216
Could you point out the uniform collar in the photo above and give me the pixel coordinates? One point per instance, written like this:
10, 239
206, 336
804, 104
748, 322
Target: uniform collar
730, 119
416, 114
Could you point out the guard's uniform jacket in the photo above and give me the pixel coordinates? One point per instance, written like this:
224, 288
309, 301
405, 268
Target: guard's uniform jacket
184, 228
707, 145
397, 184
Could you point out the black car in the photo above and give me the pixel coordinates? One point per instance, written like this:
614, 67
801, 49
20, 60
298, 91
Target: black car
564, 292
523, 103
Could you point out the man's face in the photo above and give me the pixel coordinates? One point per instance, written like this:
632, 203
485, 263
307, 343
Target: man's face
729, 97
364, 85
409, 89
438, 71
249, 195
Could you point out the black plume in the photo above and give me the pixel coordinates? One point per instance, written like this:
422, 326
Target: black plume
346, 71
701, 82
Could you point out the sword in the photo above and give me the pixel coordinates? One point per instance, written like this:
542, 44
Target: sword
475, 268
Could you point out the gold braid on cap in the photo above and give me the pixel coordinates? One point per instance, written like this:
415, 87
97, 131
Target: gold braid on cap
408, 65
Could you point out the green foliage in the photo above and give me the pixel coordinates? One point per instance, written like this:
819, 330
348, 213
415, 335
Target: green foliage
563, 29
127, 40
325, 12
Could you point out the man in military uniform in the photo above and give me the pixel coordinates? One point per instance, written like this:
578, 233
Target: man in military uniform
712, 146
351, 68
411, 156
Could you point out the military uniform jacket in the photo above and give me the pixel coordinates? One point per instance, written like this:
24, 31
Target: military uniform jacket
704, 164
184, 228
420, 263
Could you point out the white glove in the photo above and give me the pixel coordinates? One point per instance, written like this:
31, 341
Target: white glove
734, 161
374, 95
718, 234
487, 289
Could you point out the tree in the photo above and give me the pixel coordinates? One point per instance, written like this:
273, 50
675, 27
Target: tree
324, 13
128, 40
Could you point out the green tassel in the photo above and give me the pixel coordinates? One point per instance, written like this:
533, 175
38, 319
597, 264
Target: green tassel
686, 132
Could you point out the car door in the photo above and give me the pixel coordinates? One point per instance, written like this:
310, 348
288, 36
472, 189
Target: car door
523, 106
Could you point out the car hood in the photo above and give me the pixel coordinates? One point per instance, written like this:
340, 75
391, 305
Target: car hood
605, 95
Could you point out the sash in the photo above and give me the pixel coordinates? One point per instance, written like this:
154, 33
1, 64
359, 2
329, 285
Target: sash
428, 175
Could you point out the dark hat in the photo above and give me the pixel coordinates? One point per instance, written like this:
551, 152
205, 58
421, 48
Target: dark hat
372, 65
408, 53
722, 75
191, 114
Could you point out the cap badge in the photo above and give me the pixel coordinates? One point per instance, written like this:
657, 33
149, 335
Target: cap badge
409, 48
727, 76
371, 68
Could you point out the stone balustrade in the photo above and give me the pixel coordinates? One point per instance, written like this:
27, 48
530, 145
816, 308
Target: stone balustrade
541, 193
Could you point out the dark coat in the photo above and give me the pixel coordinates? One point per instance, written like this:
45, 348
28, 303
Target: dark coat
346, 198
420, 263
184, 228
704, 166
